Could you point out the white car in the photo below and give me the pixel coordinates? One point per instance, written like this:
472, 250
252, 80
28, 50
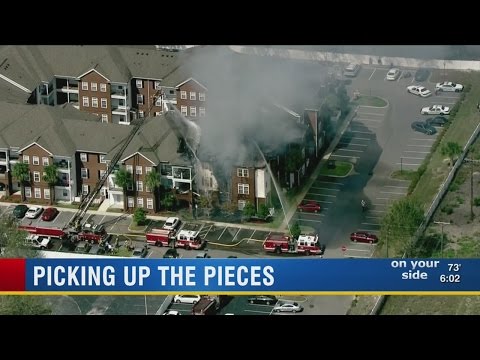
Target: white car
419, 90
436, 110
38, 241
33, 212
449, 86
288, 307
171, 312
171, 223
186, 299
393, 74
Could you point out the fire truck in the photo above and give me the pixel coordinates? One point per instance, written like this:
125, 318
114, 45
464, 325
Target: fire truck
304, 245
189, 239
92, 233
160, 237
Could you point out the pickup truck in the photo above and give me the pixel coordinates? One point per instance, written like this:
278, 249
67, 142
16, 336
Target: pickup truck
38, 241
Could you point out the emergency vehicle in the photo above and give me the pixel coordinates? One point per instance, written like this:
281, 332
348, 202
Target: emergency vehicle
189, 239
305, 244
92, 233
160, 237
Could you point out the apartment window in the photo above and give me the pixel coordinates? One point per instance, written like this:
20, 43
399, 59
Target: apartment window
243, 189
201, 111
138, 170
130, 202
65, 192
83, 157
84, 85
140, 202
103, 87
84, 173
38, 193
242, 172
148, 169
85, 101
241, 204
139, 99
94, 102
183, 110
141, 114
158, 102
45, 161
157, 85
139, 185
139, 84
201, 96
101, 173
103, 103
130, 186
183, 95
28, 192
102, 159
85, 189
35, 160
150, 203
26, 159
46, 193
147, 188
104, 118
193, 95
129, 168
36, 176
193, 111
93, 86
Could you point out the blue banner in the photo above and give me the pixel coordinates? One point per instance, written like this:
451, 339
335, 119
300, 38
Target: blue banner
253, 275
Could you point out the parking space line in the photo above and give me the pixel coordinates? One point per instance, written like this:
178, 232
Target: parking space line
372, 224
101, 221
360, 138
414, 158
345, 156
326, 195
320, 201
251, 236
382, 198
373, 217
369, 113
405, 164
380, 211
417, 152
330, 182
236, 234
375, 69
377, 204
398, 187
322, 188
341, 143
256, 311
427, 146
361, 132
391, 192
313, 214
424, 139
317, 221
222, 233
360, 151
366, 119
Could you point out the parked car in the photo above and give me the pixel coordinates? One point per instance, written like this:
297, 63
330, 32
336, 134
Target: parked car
38, 241
186, 299
437, 121
287, 307
49, 214
33, 212
309, 206
419, 90
423, 127
449, 86
203, 255
263, 300
171, 312
83, 247
436, 110
140, 252
363, 236
422, 75
171, 223
351, 70
171, 254
20, 211
393, 74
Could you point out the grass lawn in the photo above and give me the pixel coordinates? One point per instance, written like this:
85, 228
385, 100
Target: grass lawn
342, 168
403, 175
370, 101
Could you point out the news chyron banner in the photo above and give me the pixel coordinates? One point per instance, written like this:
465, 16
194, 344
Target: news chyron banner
240, 276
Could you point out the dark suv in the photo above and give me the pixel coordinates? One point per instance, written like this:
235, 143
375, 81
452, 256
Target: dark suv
263, 300
171, 254
20, 211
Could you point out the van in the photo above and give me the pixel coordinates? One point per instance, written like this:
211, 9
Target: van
351, 70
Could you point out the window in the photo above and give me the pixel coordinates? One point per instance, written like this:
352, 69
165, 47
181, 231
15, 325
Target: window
201, 96
129, 168
104, 118
93, 86
148, 169
139, 99
130, 203
183, 95
193, 111
45, 161
147, 188
35, 160
139, 185
84, 173
138, 170
241, 204
242, 172
243, 189
83, 157
201, 111
140, 202
65, 192
104, 103
157, 85
102, 159
141, 114
84, 85
38, 193
101, 173
36, 176
85, 189
183, 110
149, 203
193, 95
85, 101
158, 102
28, 192
103, 87
46, 193
26, 159
94, 102
139, 84
130, 186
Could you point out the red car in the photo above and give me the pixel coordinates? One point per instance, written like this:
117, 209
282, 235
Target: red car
363, 236
309, 206
49, 214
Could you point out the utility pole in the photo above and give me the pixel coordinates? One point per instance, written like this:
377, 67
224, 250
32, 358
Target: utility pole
441, 242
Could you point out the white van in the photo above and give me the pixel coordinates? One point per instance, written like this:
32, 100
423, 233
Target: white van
351, 70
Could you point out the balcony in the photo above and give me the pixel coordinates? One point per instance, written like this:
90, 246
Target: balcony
62, 164
120, 109
63, 183
68, 89
118, 94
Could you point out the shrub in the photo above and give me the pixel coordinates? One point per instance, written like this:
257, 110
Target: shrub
476, 201
140, 216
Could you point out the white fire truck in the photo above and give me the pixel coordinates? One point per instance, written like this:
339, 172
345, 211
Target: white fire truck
304, 245
189, 239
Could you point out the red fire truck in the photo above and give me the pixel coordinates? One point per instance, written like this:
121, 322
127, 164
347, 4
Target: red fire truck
305, 244
89, 232
160, 237
189, 239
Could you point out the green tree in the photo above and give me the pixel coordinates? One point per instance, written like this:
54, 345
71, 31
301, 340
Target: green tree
152, 181
451, 149
295, 230
51, 178
249, 210
123, 179
169, 201
22, 173
140, 216
263, 211
294, 158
